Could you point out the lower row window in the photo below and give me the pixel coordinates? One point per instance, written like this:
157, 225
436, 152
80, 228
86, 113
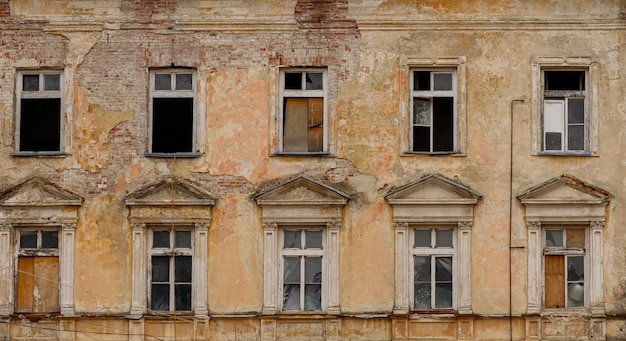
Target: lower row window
433, 269
564, 265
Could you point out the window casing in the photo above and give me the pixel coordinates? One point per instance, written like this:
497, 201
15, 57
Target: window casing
433, 110
39, 120
170, 269
564, 267
303, 120
173, 121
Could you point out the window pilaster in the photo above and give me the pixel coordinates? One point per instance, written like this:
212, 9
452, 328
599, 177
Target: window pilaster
138, 304
67, 269
199, 282
595, 249
333, 267
6, 265
463, 259
534, 267
270, 268
401, 305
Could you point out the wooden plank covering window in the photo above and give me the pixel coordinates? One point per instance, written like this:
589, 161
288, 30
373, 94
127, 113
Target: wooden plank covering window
555, 281
316, 124
303, 129
37, 284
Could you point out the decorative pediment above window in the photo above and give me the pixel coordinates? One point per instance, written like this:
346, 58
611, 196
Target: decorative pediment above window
433, 198
565, 198
301, 199
170, 199
38, 200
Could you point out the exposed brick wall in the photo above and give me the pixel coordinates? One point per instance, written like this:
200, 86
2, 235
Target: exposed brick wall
143, 10
5, 10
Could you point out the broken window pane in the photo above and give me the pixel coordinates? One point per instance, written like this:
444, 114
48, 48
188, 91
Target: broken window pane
565, 80
52, 82
575, 268
182, 269
421, 80
40, 124
184, 81
443, 81
183, 297
160, 268
28, 239
293, 80
161, 239
292, 239
49, 239
30, 83
314, 81
421, 111
162, 81
172, 125
422, 238
183, 239
554, 238
444, 238
160, 297
314, 239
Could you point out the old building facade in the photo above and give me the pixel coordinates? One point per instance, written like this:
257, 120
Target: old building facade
312, 170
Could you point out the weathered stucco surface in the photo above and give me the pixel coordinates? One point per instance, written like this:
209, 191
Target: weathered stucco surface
106, 49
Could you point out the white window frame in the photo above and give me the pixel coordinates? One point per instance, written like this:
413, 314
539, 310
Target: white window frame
40, 94
538, 68
433, 252
288, 93
174, 93
431, 94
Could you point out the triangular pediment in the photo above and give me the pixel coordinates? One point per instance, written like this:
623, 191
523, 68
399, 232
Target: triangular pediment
171, 191
433, 188
39, 192
565, 189
301, 191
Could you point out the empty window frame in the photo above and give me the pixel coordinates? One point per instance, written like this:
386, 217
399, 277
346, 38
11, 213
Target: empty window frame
37, 279
172, 112
302, 263
433, 269
39, 122
303, 127
170, 269
564, 266
433, 110
565, 119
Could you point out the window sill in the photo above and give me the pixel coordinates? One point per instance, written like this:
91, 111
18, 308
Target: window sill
557, 153
453, 153
31, 154
302, 154
173, 155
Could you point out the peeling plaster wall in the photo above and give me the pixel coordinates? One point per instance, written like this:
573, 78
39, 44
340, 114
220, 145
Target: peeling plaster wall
106, 49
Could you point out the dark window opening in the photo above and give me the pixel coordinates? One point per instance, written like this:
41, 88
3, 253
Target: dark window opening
172, 125
40, 125
564, 80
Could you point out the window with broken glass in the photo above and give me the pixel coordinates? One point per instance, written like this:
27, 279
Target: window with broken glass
564, 266
37, 281
565, 122
302, 264
39, 122
303, 127
172, 112
171, 252
433, 268
433, 110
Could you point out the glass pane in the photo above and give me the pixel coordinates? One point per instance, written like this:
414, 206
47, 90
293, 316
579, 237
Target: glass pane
161, 239
30, 83
160, 269
293, 80
314, 81
183, 239
163, 81
313, 297
160, 299
554, 238
575, 295
183, 297
576, 238
421, 270
421, 296
182, 269
443, 295
422, 238
443, 269
421, 80
553, 141
443, 81
575, 268
313, 269
576, 137
28, 239
576, 111
313, 239
444, 238
52, 82
50, 239
291, 297
421, 111
183, 81
291, 271
292, 239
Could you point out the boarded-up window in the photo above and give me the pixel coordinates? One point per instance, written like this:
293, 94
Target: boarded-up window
555, 282
37, 272
564, 268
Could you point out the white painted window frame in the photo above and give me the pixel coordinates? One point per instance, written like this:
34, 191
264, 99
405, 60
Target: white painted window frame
153, 93
40, 94
286, 93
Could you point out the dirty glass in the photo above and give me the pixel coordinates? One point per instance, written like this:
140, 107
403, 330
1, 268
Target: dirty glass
575, 279
553, 141
183, 239
292, 239
160, 297
576, 111
421, 111
183, 81
162, 81
291, 283
575, 268
421, 80
313, 239
293, 80
183, 297
314, 81
443, 279
160, 239
160, 269
422, 269
554, 238
443, 295
52, 82
422, 238
30, 83
50, 239
182, 269
313, 283
443, 81
28, 239
444, 238
576, 137
421, 282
